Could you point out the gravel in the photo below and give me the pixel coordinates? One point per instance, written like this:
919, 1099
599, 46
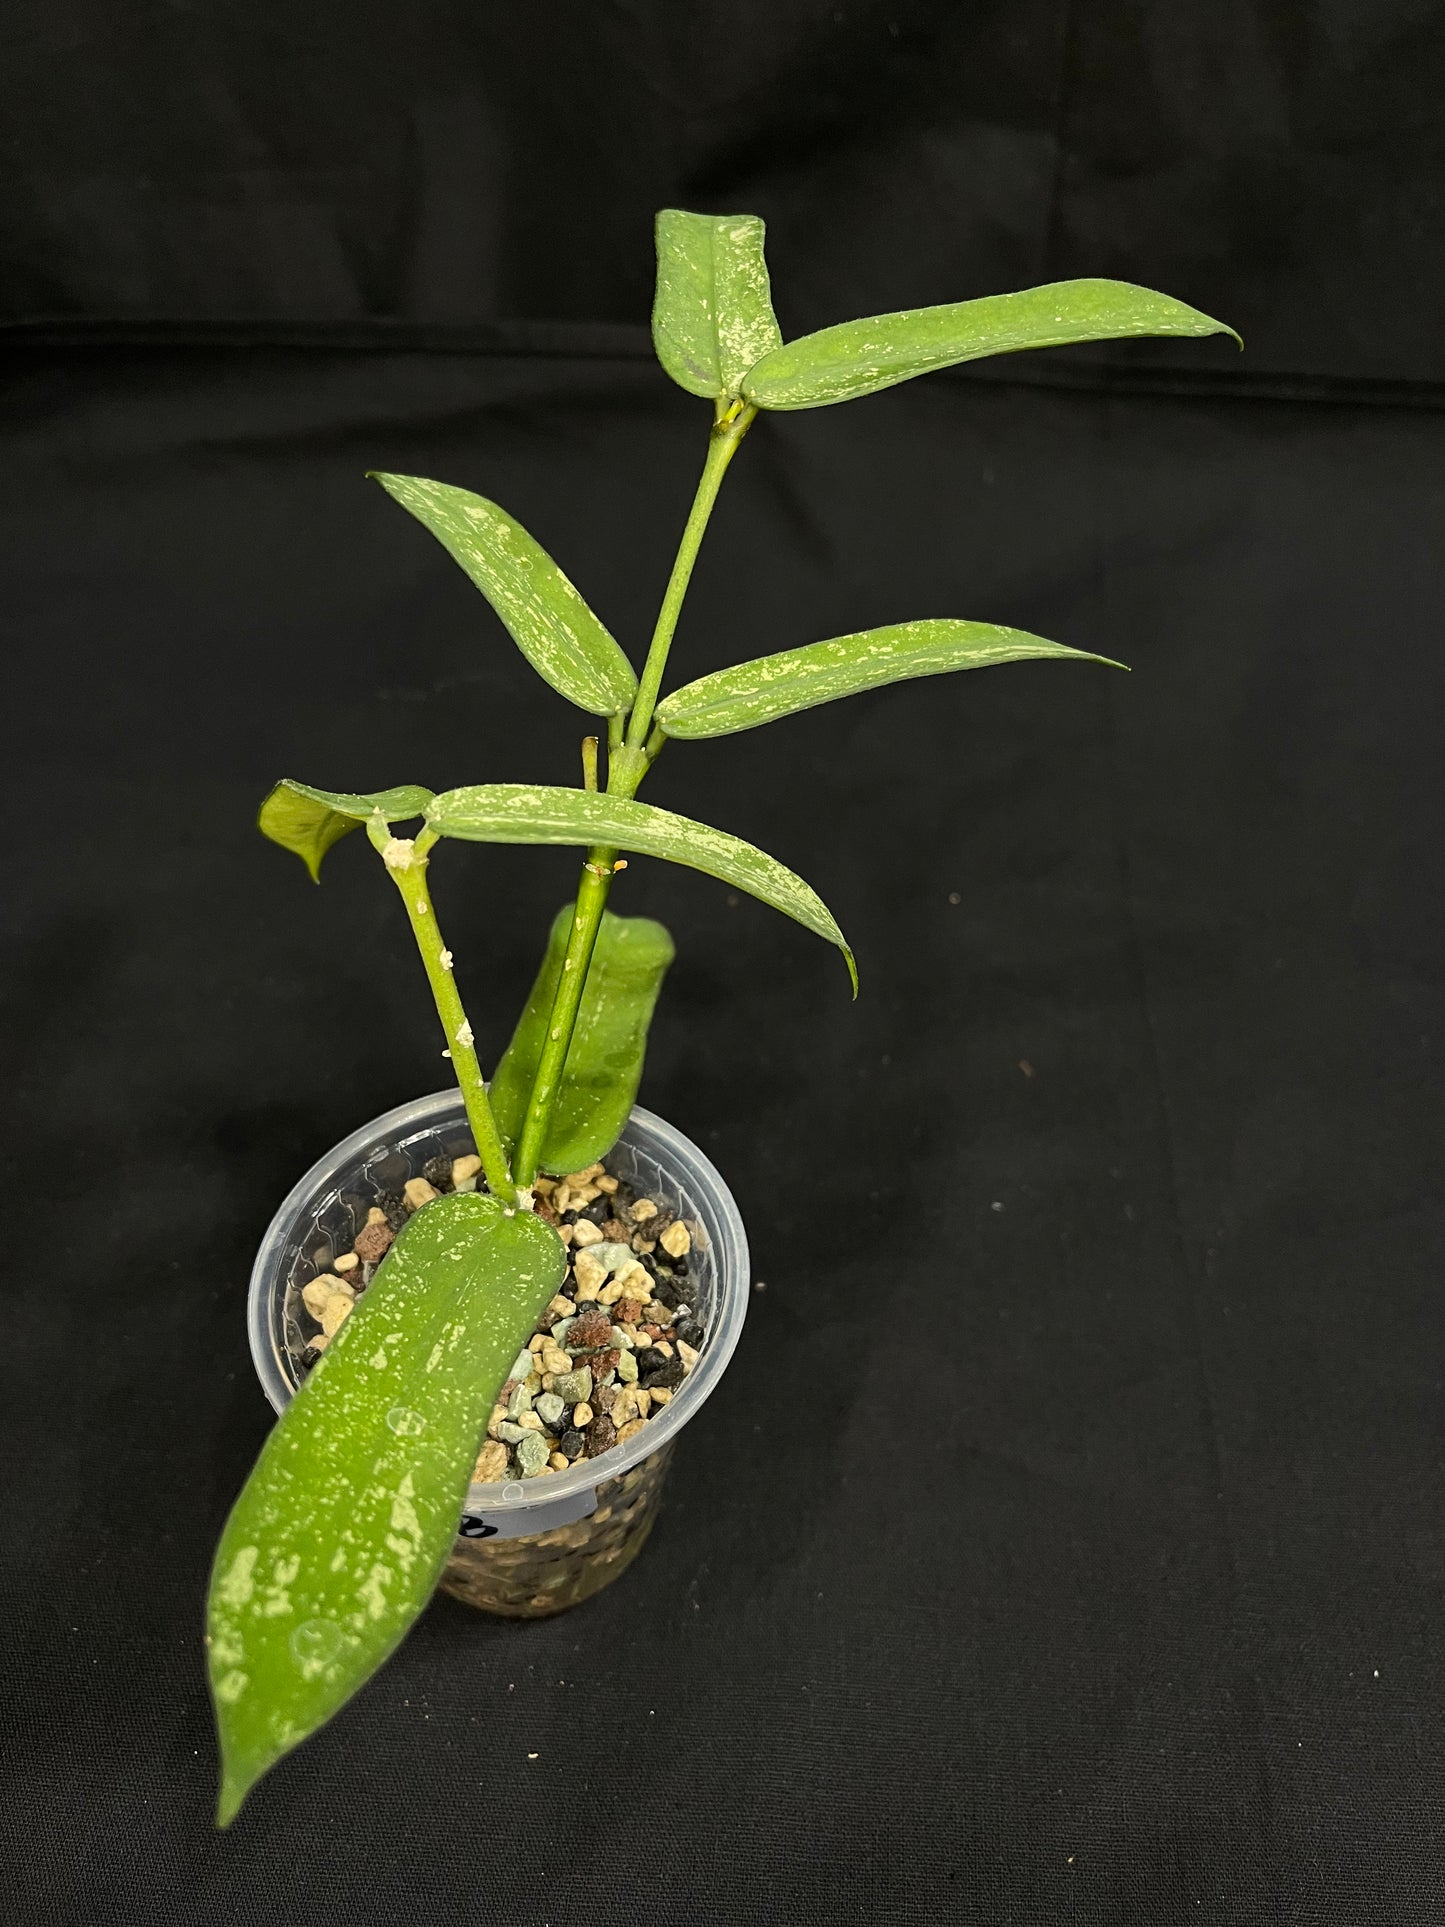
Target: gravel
609, 1351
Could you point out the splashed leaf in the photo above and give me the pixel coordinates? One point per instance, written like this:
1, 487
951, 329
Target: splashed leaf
772, 686
860, 357
712, 316
533, 813
556, 631
341, 1531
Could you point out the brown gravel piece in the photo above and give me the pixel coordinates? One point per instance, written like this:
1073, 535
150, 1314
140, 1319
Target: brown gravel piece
373, 1243
602, 1399
545, 1211
614, 1231
628, 1310
589, 1329
601, 1436
601, 1362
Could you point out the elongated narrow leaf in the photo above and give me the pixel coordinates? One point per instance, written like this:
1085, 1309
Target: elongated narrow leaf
526, 813
860, 357
712, 317
307, 821
604, 1062
794, 679
337, 1540
549, 622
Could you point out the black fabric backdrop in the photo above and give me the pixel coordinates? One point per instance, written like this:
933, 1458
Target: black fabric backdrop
1065, 1544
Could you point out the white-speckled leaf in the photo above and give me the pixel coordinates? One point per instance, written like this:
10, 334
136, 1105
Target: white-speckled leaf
336, 1542
794, 679
712, 316
547, 619
307, 822
860, 357
527, 813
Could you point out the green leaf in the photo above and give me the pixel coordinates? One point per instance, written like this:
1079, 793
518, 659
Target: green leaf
527, 813
338, 1538
549, 622
860, 357
794, 679
604, 1061
712, 317
307, 821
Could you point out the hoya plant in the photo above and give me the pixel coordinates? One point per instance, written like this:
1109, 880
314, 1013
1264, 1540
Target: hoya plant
338, 1538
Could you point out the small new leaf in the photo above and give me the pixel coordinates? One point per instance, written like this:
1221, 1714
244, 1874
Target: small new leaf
712, 316
338, 1537
794, 679
307, 821
604, 1060
553, 627
534, 813
860, 357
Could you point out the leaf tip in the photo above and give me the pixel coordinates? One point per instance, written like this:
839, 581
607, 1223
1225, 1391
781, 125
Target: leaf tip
851, 962
229, 1799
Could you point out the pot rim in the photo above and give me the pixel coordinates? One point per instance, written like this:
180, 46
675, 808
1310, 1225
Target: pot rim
693, 1172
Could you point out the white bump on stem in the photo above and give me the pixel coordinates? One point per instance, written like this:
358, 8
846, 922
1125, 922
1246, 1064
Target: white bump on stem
464, 1034
446, 960
399, 854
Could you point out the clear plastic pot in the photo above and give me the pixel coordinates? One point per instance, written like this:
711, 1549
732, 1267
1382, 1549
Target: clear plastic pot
532, 1546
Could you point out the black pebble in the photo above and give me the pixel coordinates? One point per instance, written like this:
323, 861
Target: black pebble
689, 1331
649, 1358
572, 1443
668, 1372
438, 1173
394, 1205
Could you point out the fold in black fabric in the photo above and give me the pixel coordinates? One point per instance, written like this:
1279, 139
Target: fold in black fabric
430, 166
1065, 1542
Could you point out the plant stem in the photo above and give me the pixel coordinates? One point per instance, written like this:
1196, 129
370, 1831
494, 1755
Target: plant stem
723, 443
566, 1001
627, 763
589, 762
408, 871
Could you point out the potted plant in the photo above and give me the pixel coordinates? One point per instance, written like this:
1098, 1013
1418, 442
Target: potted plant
499, 1305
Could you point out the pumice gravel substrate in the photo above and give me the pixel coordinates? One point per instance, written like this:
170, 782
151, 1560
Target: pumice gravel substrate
609, 1351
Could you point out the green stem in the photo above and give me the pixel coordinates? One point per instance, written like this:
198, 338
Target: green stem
627, 763
726, 435
566, 1001
406, 865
